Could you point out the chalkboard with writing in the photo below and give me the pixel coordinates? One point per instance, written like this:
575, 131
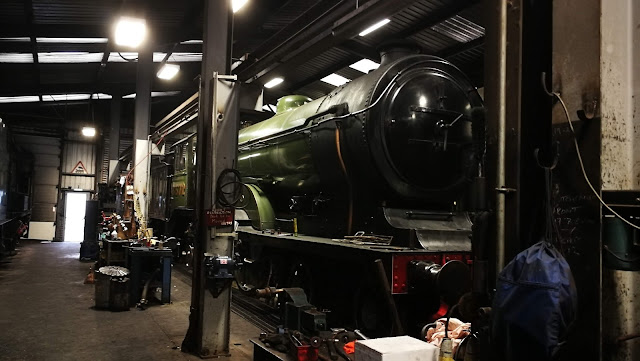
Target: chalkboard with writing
576, 212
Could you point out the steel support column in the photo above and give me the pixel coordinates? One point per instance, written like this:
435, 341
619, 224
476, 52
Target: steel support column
208, 333
619, 168
141, 159
502, 101
114, 139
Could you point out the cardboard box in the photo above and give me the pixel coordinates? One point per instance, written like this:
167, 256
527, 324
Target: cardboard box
401, 348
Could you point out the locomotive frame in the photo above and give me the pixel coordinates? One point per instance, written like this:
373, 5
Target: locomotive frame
293, 223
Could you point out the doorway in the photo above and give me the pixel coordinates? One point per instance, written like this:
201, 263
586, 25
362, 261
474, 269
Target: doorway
74, 211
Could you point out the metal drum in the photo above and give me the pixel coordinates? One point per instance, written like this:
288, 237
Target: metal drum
105, 277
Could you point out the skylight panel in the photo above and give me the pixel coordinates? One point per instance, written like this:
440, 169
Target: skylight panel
269, 107
116, 57
335, 79
100, 96
157, 57
25, 58
153, 94
64, 97
72, 40
65, 57
18, 40
20, 99
178, 57
364, 65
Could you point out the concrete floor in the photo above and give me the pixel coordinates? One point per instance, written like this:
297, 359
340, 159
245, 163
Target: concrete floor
46, 314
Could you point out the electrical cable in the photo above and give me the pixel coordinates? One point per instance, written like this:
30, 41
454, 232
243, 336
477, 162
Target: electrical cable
584, 173
236, 192
446, 326
127, 59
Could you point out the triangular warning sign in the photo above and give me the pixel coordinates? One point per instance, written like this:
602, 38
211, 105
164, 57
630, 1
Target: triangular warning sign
79, 168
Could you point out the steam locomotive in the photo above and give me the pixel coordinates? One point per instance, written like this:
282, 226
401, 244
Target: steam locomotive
16, 169
372, 187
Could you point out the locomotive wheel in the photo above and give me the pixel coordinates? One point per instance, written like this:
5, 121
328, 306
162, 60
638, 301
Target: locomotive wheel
262, 273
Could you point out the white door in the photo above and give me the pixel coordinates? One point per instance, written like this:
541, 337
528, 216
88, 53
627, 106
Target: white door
75, 208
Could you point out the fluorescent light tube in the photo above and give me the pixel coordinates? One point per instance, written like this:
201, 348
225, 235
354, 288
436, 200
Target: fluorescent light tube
273, 82
375, 27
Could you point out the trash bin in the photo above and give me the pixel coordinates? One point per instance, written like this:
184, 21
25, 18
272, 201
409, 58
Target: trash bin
119, 294
111, 282
102, 289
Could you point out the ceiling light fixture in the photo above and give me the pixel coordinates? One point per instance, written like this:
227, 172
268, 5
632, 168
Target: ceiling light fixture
335, 79
375, 27
89, 131
364, 66
168, 71
130, 31
238, 4
194, 41
273, 82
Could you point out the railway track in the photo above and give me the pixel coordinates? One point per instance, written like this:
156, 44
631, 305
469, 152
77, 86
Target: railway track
258, 313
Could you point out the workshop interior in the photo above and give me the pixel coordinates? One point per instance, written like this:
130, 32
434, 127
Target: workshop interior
304, 180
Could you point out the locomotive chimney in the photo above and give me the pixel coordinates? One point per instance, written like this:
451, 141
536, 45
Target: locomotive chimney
393, 50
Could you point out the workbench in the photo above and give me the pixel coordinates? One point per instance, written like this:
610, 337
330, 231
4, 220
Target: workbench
263, 353
142, 260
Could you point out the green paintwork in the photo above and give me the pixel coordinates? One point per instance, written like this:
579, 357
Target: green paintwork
259, 208
289, 161
183, 183
179, 198
289, 102
281, 121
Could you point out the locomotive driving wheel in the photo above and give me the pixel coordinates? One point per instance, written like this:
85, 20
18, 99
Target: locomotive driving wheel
258, 274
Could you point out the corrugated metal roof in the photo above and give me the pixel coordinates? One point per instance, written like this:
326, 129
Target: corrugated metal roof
289, 12
324, 61
468, 57
460, 29
433, 42
74, 11
12, 12
167, 15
